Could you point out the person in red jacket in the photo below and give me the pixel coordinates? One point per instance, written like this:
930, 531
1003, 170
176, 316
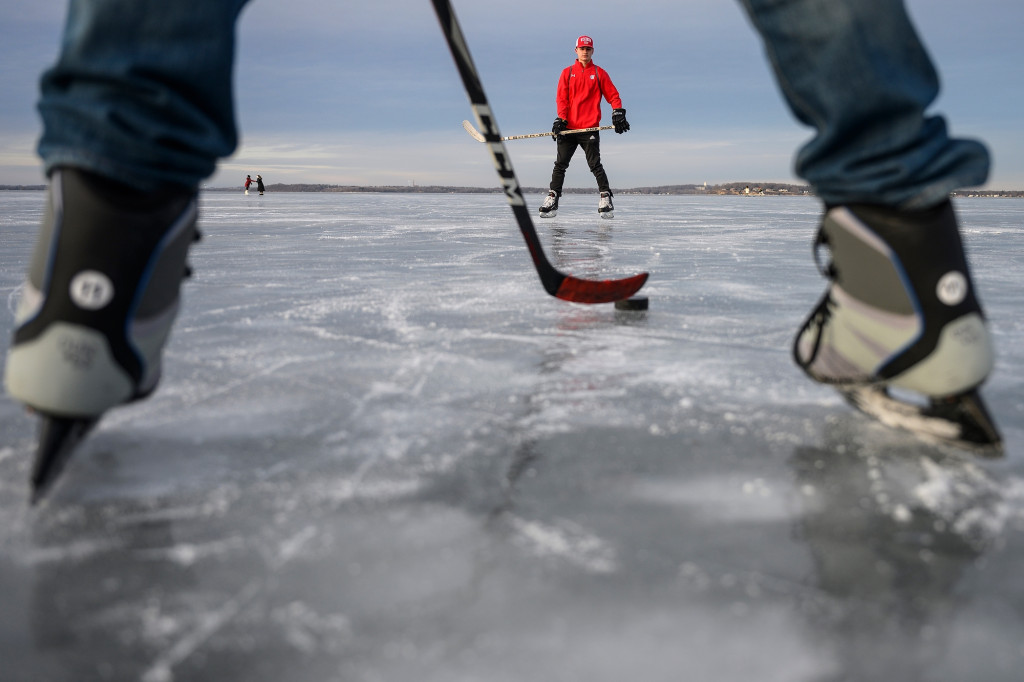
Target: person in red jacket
580, 89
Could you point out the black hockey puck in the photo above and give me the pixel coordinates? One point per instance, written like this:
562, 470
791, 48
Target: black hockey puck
632, 303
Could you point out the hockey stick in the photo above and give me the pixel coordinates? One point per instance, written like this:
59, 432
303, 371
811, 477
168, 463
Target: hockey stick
475, 134
559, 285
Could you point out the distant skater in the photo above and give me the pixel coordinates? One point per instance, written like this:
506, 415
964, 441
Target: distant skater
259, 183
578, 101
248, 181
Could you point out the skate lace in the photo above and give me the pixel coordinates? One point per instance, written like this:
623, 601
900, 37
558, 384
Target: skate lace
197, 236
827, 270
817, 320
823, 311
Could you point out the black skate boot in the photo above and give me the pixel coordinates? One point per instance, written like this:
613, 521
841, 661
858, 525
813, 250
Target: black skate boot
605, 209
549, 209
901, 312
97, 307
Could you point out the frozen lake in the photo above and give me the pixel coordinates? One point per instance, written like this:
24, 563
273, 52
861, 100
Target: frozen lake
381, 452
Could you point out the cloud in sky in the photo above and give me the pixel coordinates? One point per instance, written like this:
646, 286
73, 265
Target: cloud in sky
366, 93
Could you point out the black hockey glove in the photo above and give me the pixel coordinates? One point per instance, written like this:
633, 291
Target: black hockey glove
558, 126
619, 120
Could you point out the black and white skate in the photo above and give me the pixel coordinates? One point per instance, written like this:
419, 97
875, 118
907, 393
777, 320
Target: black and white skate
58, 438
961, 420
549, 209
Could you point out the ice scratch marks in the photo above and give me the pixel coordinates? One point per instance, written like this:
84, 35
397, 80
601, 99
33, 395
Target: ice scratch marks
558, 539
194, 394
292, 547
162, 669
306, 630
13, 298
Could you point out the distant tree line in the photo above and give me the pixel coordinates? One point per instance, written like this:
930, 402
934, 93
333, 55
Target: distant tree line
729, 188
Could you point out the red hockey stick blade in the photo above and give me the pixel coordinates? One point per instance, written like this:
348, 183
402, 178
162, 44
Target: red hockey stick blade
599, 291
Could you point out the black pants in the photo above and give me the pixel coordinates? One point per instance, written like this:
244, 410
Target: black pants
591, 143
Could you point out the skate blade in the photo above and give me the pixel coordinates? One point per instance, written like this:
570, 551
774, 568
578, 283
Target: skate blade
58, 437
961, 421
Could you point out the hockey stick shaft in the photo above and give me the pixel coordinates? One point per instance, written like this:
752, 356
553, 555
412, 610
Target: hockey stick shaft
565, 287
475, 134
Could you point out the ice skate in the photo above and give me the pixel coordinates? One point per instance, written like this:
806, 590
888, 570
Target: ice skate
58, 438
605, 209
549, 209
97, 307
901, 313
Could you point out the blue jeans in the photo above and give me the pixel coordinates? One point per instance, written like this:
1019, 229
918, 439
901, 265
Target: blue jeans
142, 93
856, 71
142, 90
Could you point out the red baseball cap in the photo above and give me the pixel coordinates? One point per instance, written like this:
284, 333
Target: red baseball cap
585, 41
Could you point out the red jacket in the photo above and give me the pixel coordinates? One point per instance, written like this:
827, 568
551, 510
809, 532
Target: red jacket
579, 95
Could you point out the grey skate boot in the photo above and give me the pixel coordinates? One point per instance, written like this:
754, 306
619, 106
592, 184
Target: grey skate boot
97, 306
901, 312
605, 209
549, 209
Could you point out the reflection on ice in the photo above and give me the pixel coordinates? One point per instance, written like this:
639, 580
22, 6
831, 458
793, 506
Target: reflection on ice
892, 533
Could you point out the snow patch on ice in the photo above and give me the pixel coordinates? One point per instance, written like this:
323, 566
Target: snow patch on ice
308, 631
723, 497
376, 490
567, 541
72, 551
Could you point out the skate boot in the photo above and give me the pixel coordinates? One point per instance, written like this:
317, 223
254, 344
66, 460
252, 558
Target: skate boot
549, 209
97, 307
604, 206
901, 313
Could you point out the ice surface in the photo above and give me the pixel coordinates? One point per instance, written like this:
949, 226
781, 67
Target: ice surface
381, 452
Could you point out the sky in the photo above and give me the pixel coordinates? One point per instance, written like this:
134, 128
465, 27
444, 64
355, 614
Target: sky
336, 92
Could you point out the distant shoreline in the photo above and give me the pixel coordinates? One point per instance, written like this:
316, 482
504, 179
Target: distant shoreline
726, 189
